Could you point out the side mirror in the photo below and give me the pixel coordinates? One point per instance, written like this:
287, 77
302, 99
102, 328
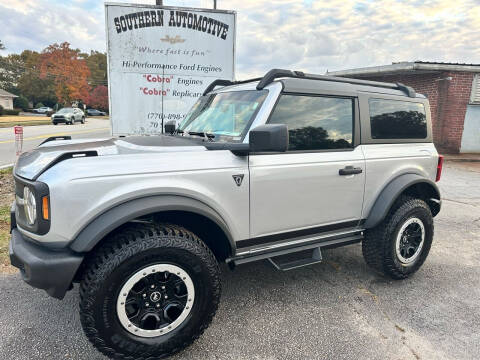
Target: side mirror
170, 126
269, 138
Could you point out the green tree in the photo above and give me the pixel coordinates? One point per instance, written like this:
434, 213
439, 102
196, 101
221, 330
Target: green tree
97, 64
31, 85
11, 68
2, 47
21, 102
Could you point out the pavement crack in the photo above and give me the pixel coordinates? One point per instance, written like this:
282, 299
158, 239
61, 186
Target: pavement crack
459, 202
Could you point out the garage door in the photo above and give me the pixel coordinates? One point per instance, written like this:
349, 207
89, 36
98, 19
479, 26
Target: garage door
471, 130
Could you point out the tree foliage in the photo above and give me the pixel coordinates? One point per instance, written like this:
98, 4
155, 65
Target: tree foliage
20, 102
31, 84
11, 68
68, 71
59, 74
98, 98
2, 47
97, 64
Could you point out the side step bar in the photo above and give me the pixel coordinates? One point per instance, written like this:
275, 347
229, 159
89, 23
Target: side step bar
272, 253
285, 262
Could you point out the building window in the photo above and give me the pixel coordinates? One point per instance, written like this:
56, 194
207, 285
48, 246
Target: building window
392, 119
315, 122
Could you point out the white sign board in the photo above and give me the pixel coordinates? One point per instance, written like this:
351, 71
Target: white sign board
160, 59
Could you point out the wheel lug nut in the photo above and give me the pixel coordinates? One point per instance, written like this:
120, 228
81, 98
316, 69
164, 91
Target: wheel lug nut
158, 305
147, 304
144, 295
166, 297
163, 287
152, 286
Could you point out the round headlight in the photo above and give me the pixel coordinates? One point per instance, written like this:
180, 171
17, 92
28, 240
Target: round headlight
30, 205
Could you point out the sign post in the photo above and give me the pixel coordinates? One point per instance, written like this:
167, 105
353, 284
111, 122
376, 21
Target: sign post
160, 59
18, 139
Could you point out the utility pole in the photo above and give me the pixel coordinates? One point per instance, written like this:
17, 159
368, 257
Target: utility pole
159, 2
214, 4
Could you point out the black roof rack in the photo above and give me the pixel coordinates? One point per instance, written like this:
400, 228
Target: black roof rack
222, 82
279, 73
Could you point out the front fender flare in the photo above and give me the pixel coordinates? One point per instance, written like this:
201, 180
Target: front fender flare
108, 221
390, 194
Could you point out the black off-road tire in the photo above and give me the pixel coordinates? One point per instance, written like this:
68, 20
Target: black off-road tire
378, 246
127, 251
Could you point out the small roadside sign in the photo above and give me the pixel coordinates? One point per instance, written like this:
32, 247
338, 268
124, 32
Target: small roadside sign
18, 139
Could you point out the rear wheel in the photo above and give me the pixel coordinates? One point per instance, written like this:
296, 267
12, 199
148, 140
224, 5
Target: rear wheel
149, 292
83, 120
399, 245
72, 121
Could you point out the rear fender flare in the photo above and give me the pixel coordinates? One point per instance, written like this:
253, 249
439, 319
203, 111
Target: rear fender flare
390, 194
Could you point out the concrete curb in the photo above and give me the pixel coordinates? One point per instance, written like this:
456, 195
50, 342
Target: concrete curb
6, 166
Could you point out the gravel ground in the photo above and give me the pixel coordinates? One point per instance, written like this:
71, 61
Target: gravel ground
338, 309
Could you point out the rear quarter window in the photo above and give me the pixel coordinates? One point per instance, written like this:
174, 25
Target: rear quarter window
394, 119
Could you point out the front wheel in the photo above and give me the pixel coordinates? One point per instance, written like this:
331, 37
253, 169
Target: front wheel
148, 292
83, 120
399, 245
72, 121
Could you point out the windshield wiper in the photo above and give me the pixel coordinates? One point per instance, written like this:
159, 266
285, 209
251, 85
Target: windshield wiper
208, 136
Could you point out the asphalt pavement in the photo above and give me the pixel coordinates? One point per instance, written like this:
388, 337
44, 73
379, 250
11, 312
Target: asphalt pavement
338, 309
34, 135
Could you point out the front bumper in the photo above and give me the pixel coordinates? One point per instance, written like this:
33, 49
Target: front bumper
60, 120
43, 268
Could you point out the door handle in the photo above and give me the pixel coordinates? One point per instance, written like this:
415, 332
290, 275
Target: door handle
349, 170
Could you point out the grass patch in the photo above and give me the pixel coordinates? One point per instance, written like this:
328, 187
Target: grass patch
6, 171
5, 124
4, 234
22, 118
6, 199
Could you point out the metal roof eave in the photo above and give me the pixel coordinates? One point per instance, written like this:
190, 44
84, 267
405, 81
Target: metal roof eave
405, 67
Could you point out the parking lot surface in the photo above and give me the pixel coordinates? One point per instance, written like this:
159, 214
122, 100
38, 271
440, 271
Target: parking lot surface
338, 309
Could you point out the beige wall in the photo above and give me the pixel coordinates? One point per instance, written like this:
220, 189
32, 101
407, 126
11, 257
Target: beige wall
6, 102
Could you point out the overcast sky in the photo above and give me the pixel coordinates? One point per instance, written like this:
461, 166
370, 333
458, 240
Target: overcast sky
307, 35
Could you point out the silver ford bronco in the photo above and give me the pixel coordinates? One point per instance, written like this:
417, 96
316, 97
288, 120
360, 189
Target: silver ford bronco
276, 168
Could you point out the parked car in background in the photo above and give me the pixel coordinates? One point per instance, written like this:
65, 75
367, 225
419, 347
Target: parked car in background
95, 112
68, 116
43, 110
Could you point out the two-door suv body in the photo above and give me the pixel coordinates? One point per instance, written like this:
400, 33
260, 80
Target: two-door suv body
272, 168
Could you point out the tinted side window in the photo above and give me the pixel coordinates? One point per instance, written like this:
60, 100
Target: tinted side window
316, 122
392, 119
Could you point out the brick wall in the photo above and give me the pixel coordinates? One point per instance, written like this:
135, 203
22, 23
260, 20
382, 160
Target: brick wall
448, 102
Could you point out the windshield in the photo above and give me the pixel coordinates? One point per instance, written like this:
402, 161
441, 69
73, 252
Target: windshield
224, 115
65, 110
